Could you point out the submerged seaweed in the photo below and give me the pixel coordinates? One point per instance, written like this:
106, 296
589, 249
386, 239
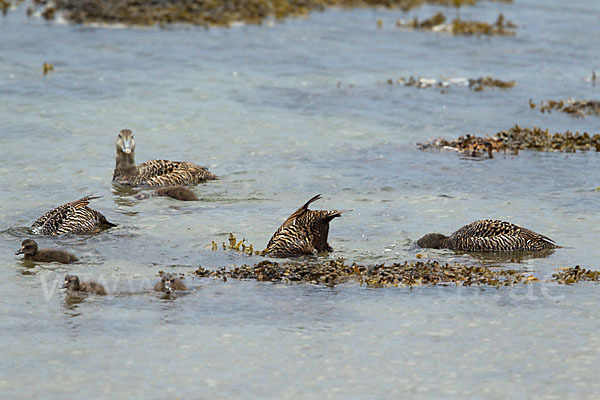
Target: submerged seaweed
515, 139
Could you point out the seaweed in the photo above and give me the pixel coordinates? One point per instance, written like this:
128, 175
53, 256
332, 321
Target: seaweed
576, 108
414, 273
568, 276
211, 12
489, 82
437, 23
515, 139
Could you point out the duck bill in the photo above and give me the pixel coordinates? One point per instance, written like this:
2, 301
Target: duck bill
21, 251
126, 148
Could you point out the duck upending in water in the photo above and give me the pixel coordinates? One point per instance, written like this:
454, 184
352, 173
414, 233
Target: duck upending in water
30, 250
304, 232
73, 217
73, 284
155, 172
489, 235
168, 283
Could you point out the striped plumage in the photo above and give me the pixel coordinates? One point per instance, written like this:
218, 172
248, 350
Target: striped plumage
489, 235
304, 232
155, 172
73, 217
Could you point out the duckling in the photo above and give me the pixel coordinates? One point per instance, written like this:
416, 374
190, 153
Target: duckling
489, 235
304, 232
72, 283
73, 217
175, 192
155, 172
168, 283
30, 248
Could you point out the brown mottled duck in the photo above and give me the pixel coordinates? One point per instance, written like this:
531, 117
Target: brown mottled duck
73, 284
73, 217
168, 283
174, 192
304, 232
155, 172
489, 235
31, 252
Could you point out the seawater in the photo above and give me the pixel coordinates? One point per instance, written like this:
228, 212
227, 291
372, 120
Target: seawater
281, 112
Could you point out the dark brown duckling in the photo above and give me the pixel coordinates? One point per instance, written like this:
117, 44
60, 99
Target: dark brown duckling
73, 217
169, 283
174, 192
155, 172
304, 232
72, 283
489, 235
31, 252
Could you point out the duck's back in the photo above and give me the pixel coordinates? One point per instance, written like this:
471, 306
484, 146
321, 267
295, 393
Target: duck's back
48, 255
75, 217
167, 173
496, 235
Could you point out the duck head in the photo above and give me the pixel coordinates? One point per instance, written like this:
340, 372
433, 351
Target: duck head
125, 142
28, 246
71, 282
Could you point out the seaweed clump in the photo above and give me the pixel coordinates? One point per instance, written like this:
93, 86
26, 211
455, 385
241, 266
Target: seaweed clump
416, 273
577, 108
437, 23
568, 276
515, 139
489, 82
237, 246
210, 12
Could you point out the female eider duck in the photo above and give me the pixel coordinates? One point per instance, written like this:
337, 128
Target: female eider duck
73, 284
304, 232
73, 217
31, 253
168, 283
489, 235
155, 172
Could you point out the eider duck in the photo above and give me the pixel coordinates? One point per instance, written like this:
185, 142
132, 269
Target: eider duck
174, 192
304, 232
155, 172
489, 235
73, 217
168, 283
30, 250
72, 283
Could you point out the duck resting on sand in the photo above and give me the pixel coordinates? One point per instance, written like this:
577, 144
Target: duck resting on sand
31, 252
155, 172
73, 217
304, 232
489, 235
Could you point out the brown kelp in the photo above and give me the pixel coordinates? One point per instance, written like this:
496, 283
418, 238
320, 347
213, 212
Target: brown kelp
515, 139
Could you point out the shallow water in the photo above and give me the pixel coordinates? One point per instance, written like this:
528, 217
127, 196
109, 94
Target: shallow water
282, 112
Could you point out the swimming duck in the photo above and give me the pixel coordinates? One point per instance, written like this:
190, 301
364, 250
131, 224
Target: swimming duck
73, 217
174, 192
168, 283
489, 235
30, 248
72, 283
155, 172
304, 232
